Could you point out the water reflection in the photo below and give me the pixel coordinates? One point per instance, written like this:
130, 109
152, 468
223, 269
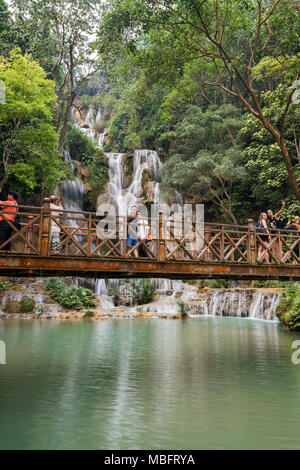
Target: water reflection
159, 384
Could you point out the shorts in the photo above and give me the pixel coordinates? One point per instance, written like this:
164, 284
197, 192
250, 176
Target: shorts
131, 241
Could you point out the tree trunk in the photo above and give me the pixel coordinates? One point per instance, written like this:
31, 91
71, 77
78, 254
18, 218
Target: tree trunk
63, 134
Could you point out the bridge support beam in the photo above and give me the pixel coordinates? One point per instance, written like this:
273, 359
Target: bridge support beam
161, 248
45, 232
251, 242
33, 265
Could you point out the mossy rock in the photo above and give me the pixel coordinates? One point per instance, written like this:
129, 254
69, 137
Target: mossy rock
27, 305
13, 307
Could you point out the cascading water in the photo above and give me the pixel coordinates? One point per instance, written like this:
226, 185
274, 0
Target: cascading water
98, 118
72, 195
264, 306
231, 302
125, 197
90, 118
73, 190
244, 303
101, 138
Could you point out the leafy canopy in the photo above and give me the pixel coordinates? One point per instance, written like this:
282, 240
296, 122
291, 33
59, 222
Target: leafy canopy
29, 156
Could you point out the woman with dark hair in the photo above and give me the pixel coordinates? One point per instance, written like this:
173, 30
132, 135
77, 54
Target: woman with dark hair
5, 229
263, 233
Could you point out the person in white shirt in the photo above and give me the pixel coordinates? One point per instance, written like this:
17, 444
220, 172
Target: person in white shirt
142, 232
55, 206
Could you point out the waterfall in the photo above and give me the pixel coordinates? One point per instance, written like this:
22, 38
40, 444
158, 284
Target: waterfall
72, 196
90, 133
100, 287
156, 198
231, 302
241, 303
264, 306
179, 199
101, 138
73, 190
168, 286
90, 118
127, 197
98, 118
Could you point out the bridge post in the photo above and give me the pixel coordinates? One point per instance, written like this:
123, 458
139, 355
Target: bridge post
161, 246
45, 228
222, 243
251, 242
29, 233
124, 228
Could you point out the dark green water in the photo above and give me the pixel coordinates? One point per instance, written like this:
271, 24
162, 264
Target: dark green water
207, 383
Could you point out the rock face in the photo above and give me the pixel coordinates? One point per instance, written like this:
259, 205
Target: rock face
83, 173
233, 302
33, 289
148, 186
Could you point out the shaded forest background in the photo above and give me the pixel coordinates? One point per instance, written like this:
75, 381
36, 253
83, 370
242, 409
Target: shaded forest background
207, 84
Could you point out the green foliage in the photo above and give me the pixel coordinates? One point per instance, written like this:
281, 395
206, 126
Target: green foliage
70, 297
132, 141
5, 28
277, 68
84, 150
27, 304
115, 295
40, 310
270, 284
89, 314
98, 174
211, 283
59, 35
207, 158
178, 45
81, 147
143, 291
4, 286
219, 283
29, 157
183, 308
288, 310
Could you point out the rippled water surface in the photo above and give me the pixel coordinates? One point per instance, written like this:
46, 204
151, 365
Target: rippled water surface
207, 383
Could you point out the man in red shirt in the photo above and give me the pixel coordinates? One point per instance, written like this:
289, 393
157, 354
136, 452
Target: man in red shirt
5, 229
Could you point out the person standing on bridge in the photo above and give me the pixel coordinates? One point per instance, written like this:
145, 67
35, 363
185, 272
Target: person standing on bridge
142, 232
131, 240
264, 235
275, 224
55, 206
5, 229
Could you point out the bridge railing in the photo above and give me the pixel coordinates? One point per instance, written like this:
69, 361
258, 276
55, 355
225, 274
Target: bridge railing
45, 232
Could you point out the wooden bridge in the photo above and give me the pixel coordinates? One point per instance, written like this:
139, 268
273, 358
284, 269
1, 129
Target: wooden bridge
225, 251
